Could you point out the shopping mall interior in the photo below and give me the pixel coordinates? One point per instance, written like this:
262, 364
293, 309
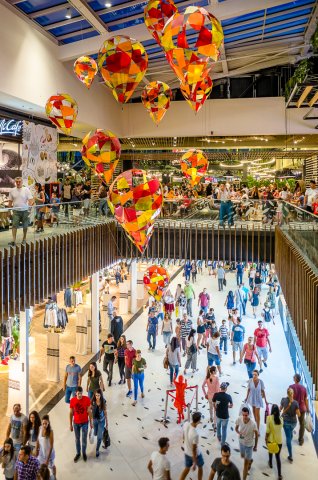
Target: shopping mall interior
159, 185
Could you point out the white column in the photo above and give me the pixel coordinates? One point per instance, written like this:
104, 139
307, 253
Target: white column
53, 357
95, 312
123, 298
140, 285
133, 286
24, 360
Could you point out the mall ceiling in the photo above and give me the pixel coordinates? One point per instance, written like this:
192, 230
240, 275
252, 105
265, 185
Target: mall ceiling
258, 35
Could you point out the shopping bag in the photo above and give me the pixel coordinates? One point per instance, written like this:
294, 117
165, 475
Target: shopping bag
308, 423
224, 282
106, 438
165, 363
91, 436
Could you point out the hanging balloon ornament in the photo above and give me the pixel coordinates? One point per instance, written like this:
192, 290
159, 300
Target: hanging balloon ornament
136, 201
191, 40
62, 110
123, 62
101, 152
85, 68
156, 15
156, 97
156, 281
197, 93
194, 165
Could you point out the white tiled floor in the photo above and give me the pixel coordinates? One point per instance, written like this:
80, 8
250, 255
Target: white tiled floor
135, 431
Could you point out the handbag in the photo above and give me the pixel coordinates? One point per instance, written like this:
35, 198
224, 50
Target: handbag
165, 363
91, 436
106, 438
192, 349
224, 282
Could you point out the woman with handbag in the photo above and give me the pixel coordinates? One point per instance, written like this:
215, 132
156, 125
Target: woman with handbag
173, 359
192, 352
290, 411
249, 355
274, 439
254, 298
166, 329
255, 395
210, 386
39, 200
99, 417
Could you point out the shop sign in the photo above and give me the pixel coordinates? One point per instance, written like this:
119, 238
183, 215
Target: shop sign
10, 127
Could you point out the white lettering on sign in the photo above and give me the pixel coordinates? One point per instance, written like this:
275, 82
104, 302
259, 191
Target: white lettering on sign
10, 127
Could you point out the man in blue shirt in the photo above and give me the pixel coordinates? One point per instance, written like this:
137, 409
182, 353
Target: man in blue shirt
72, 379
237, 338
239, 273
152, 330
187, 271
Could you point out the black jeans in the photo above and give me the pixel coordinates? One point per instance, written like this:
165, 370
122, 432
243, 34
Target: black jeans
121, 367
278, 462
108, 367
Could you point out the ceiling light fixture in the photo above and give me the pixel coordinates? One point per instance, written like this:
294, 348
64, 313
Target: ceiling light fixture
68, 14
108, 5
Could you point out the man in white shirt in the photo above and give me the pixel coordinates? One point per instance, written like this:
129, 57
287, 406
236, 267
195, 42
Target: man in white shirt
310, 195
226, 206
246, 428
20, 199
159, 465
193, 456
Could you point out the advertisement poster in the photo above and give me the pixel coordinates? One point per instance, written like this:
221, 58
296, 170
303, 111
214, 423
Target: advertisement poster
10, 165
39, 154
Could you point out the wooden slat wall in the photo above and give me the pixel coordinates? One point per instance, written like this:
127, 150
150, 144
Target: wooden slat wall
30, 274
196, 241
299, 282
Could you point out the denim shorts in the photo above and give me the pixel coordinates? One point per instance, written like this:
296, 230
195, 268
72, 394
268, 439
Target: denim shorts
213, 359
262, 352
237, 346
246, 452
189, 460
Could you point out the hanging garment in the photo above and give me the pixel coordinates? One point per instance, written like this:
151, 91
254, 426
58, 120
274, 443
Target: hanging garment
68, 297
62, 318
50, 315
77, 297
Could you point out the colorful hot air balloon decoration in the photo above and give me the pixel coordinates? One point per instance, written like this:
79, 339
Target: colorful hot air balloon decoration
194, 165
156, 98
101, 152
123, 62
156, 281
85, 68
156, 14
62, 110
136, 201
197, 93
189, 52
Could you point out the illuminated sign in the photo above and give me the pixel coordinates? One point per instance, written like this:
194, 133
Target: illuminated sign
10, 128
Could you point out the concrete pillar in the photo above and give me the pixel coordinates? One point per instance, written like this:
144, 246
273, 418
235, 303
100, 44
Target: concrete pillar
140, 285
19, 383
123, 298
95, 312
53, 357
133, 286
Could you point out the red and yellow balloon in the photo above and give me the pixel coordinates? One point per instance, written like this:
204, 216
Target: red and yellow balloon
85, 68
197, 93
156, 97
136, 201
62, 110
156, 15
101, 152
194, 165
156, 281
122, 62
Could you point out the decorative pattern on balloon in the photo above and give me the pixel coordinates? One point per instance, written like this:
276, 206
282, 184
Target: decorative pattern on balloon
194, 165
197, 93
85, 68
156, 97
123, 62
156, 15
101, 152
136, 201
62, 110
156, 281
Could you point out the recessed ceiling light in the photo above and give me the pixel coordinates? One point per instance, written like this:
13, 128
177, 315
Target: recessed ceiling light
108, 5
68, 14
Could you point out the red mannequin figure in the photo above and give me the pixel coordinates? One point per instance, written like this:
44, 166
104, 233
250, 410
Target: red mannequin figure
179, 403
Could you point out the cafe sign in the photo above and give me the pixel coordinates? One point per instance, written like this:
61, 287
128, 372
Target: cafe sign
10, 128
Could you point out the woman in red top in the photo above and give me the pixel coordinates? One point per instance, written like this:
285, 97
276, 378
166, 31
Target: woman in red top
250, 355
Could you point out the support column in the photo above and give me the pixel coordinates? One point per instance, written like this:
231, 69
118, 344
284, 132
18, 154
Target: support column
53, 357
123, 298
133, 286
140, 286
19, 384
95, 312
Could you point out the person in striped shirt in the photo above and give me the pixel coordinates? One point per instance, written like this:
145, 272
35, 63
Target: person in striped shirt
224, 335
186, 325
